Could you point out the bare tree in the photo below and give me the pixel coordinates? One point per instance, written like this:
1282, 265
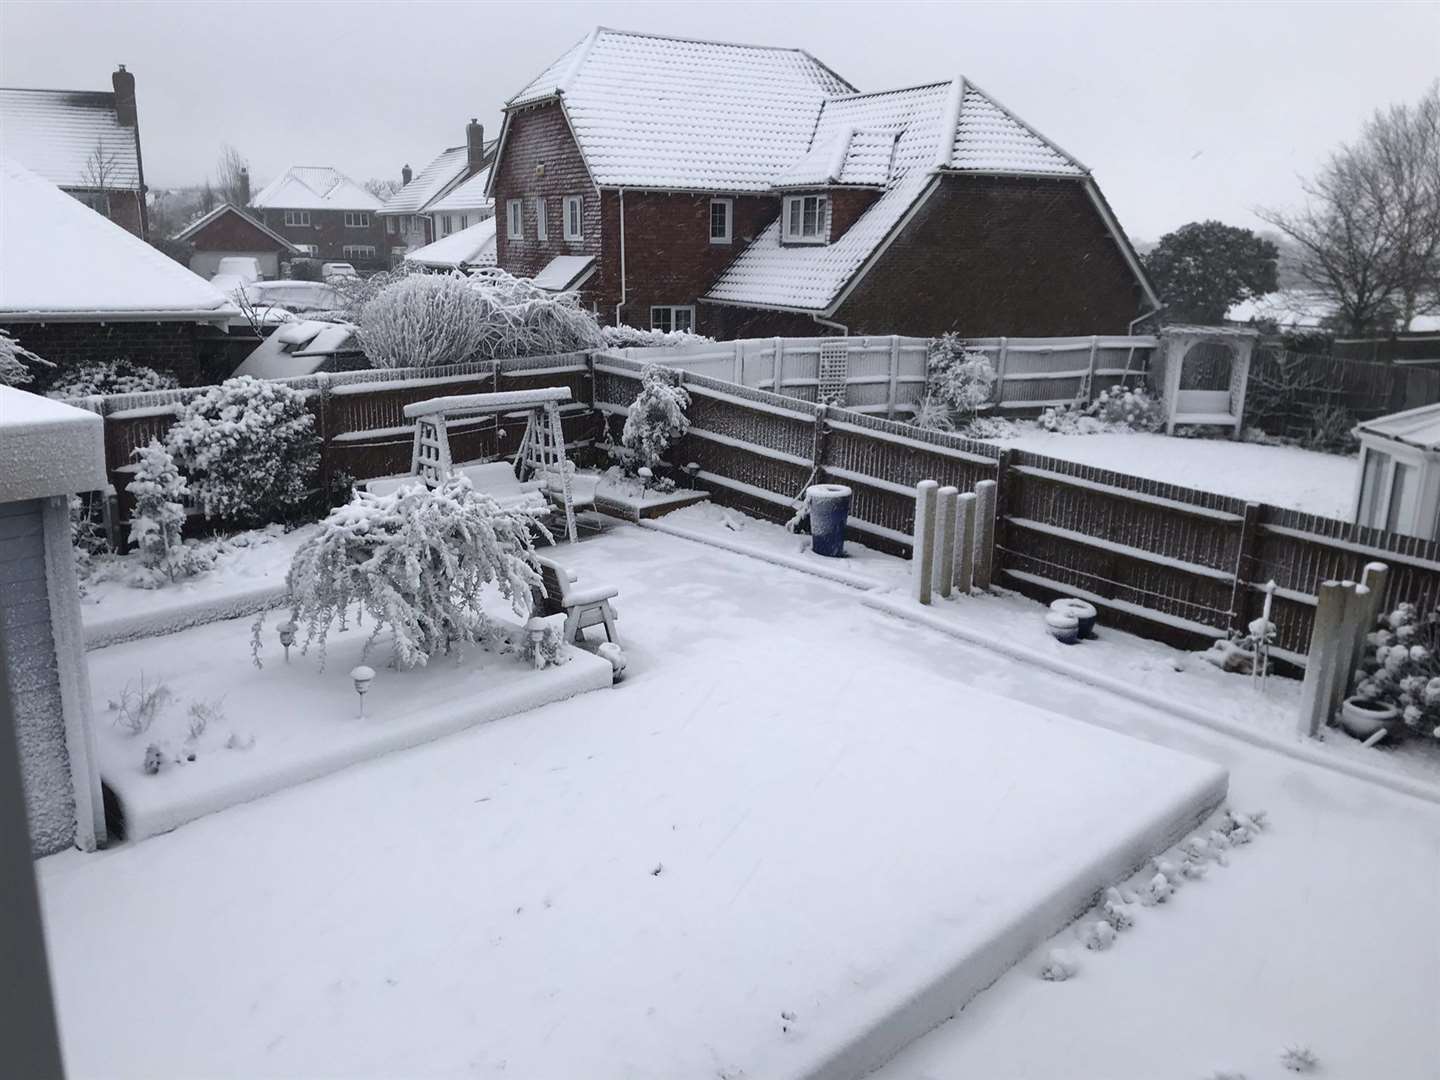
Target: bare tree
382, 189
230, 183
1369, 233
100, 171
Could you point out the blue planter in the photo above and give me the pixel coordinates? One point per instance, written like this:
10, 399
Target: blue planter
829, 510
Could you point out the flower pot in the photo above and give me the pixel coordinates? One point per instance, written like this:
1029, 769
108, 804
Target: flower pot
1084, 613
1063, 627
1360, 719
829, 510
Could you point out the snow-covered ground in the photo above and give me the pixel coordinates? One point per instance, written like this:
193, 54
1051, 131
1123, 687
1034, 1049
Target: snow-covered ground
423, 914
1285, 476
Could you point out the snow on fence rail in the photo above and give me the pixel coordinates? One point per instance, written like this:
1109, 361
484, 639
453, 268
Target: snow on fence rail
1034, 373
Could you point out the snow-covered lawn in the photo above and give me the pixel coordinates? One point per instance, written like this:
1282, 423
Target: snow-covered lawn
795, 806
1285, 476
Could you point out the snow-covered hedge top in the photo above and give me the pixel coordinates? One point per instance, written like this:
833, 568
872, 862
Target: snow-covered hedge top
111, 377
628, 337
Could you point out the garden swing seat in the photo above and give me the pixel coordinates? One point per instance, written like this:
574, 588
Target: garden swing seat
581, 607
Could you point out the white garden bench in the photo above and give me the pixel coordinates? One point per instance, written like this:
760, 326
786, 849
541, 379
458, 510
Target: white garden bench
495, 478
581, 607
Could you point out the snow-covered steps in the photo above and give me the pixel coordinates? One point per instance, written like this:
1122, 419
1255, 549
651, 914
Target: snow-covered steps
265, 730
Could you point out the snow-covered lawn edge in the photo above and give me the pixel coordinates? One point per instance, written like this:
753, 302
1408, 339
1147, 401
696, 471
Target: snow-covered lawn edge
583, 672
791, 562
115, 629
930, 994
906, 609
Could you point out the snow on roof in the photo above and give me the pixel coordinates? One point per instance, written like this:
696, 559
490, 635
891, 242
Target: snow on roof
60, 258
431, 181
314, 187
56, 133
298, 348
465, 197
931, 129
474, 246
663, 112
564, 272
48, 447
225, 209
1416, 427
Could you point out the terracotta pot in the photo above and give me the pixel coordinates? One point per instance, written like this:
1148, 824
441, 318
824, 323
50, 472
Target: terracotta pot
1360, 719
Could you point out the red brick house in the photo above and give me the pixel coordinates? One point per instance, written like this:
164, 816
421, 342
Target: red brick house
227, 231
447, 196
85, 142
742, 190
325, 214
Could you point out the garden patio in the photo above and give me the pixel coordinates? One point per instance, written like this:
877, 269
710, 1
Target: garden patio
796, 831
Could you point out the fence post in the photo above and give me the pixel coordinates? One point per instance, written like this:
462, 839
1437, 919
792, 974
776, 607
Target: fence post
1090, 375
779, 369
1322, 662
1373, 580
820, 443
923, 556
1000, 365
1245, 557
965, 543
984, 533
945, 504
894, 376
322, 384
739, 362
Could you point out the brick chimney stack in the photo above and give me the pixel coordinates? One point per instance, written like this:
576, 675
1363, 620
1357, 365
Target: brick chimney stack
474, 145
244, 187
406, 175
124, 84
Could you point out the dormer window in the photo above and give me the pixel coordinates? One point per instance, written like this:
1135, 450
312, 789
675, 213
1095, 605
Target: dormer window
805, 219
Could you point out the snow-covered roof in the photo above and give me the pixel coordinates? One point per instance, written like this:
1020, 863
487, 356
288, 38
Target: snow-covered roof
300, 347
473, 246
671, 113
56, 133
314, 187
465, 197
48, 447
897, 140
60, 259
564, 272
429, 182
1415, 427
225, 209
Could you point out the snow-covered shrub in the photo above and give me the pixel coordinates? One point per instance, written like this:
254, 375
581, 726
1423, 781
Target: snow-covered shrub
415, 562
137, 709
932, 414
958, 376
990, 427
110, 377
429, 320
1114, 409
657, 417
15, 361
1400, 667
159, 518
628, 337
546, 647
1300, 1059
1059, 965
249, 449
1332, 430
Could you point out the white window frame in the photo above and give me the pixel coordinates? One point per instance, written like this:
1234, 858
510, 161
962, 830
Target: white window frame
357, 251
791, 235
729, 234
297, 219
310, 250
464, 222
392, 225
447, 224
357, 219
671, 310
541, 225
515, 219
574, 211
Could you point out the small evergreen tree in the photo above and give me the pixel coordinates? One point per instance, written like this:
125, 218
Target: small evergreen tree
15, 361
657, 417
957, 376
159, 519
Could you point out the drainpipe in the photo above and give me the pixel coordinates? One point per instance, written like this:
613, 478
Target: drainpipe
1130, 327
623, 293
844, 330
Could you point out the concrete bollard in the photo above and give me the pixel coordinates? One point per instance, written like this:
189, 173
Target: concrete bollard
923, 558
984, 533
945, 503
965, 543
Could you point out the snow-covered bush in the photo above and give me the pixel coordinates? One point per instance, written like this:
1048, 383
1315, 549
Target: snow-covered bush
1400, 667
932, 414
1114, 409
159, 518
657, 417
628, 337
110, 377
415, 562
15, 361
430, 320
249, 449
958, 376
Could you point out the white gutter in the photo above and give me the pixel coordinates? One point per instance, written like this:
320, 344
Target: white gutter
844, 330
205, 315
623, 291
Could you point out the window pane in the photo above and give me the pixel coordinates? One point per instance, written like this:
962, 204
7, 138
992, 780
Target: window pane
794, 229
684, 318
1375, 463
660, 318
1398, 486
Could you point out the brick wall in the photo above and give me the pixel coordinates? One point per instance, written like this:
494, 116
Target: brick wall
328, 232
231, 232
178, 347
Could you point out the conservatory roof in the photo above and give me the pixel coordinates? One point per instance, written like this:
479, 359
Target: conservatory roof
1413, 427
564, 272
474, 246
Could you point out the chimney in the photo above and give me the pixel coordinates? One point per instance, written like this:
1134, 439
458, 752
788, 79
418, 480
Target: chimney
475, 145
406, 175
124, 84
244, 184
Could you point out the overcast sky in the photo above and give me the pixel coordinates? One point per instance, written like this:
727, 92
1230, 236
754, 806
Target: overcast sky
1183, 112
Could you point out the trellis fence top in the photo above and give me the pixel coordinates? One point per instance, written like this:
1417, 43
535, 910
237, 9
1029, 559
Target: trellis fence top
481, 404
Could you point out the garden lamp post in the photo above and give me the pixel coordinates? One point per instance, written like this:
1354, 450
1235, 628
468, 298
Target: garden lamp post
691, 470
646, 474
363, 677
286, 630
